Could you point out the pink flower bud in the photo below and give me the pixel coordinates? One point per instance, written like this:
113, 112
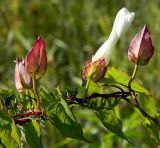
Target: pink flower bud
95, 70
22, 79
36, 60
141, 50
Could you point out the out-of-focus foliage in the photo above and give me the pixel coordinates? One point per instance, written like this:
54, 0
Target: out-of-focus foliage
73, 30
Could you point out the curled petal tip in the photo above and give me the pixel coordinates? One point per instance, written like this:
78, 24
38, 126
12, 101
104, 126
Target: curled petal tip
123, 21
40, 37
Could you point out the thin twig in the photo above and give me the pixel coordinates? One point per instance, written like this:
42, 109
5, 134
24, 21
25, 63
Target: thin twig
136, 103
143, 112
133, 76
96, 95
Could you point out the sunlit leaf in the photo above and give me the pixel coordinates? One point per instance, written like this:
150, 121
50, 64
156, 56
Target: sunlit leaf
111, 122
32, 134
5, 93
60, 115
8, 132
94, 88
153, 129
14, 133
120, 78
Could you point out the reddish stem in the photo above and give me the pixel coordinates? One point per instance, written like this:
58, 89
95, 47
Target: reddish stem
23, 118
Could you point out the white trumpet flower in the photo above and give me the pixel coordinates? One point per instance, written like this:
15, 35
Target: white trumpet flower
121, 24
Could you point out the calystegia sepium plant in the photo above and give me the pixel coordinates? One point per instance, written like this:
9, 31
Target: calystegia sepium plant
24, 110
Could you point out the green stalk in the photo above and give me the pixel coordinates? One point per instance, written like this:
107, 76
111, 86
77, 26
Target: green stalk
36, 92
87, 85
136, 104
133, 76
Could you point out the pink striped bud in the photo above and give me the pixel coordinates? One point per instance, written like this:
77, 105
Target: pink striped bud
95, 70
141, 49
22, 79
36, 60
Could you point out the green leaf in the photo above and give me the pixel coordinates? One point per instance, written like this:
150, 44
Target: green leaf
111, 122
60, 115
32, 134
14, 133
153, 129
4, 93
94, 88
120, 78
46, 97
8, 132
5, 98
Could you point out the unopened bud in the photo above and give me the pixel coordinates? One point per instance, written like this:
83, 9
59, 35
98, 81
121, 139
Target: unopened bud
22, 79
94, 70
141, 49
36, 60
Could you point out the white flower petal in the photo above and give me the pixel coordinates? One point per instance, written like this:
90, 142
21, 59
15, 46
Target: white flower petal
121, 24
122, 21
105, 50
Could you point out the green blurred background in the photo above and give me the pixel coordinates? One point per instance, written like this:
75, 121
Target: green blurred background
73, 30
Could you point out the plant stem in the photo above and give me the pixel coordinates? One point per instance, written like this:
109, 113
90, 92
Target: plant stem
143, 112
133, 76
36, 92
87, 86
96, 95
38, 109
136, 103
133, 95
